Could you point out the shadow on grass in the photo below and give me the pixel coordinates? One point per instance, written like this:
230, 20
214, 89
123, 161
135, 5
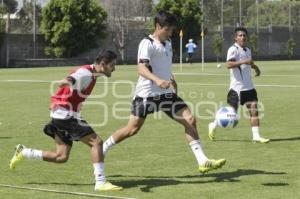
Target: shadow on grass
5, 137
147, 183
275, 184
61, 183
222, 140
271, 140
285, 139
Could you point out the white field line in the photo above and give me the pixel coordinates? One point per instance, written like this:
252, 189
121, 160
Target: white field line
180, 83
257, 85
220, 74
64, 192
26, 80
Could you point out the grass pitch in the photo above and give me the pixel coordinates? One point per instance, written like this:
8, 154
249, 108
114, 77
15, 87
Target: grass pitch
157, 163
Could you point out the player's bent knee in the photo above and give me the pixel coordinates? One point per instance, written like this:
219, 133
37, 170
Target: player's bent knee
98, 142
62, 158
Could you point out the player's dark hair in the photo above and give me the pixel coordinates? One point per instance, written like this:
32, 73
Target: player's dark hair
163, 18
240, 29
106, 56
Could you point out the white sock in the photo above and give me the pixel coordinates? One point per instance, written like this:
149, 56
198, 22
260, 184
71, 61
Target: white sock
198, 152
108, 144
32, 154
214, 124
255, 133
99, 173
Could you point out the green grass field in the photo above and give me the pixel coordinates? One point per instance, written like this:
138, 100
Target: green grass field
158, 163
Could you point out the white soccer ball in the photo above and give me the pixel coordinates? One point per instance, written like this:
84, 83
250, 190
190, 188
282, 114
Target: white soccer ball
227, 117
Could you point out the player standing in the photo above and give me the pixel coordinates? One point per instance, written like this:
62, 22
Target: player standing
190, 46
242, 91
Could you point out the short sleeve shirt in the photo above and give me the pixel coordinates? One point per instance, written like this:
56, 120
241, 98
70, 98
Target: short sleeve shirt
240, 77
159, 54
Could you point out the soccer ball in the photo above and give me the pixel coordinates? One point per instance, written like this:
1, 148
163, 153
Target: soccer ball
227, 117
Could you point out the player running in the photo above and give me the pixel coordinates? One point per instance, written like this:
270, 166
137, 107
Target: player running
66, 125
155, 92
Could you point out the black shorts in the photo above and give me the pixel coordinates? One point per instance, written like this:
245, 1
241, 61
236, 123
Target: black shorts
233, 99
68, 130
169, 103
190, 55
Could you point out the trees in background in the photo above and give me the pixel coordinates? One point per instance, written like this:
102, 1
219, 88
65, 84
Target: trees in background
26, 17
274, 13
71, 27
2, 25
291, 44
218, 42
124, 16
189, 15
253, 41
10, 7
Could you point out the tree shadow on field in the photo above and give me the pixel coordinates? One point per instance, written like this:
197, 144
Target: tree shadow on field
146, 183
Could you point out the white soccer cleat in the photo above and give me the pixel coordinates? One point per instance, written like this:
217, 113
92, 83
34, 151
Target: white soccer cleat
107, 186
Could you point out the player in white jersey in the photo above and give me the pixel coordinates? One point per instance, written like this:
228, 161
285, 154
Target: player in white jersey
155, 92
241, 91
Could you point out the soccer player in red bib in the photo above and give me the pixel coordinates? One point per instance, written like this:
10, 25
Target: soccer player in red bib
67, 126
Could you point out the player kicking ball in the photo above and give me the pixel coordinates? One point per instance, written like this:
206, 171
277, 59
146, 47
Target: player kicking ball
66, 124
155, 92
242, 91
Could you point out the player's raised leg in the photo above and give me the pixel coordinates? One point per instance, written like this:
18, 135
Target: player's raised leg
185, 117
61, 155
133, 126
17, 157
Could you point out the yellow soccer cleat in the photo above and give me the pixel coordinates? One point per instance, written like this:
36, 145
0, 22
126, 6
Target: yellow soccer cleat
261, 140
211, 164
107, 186
18, 156
211, 132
